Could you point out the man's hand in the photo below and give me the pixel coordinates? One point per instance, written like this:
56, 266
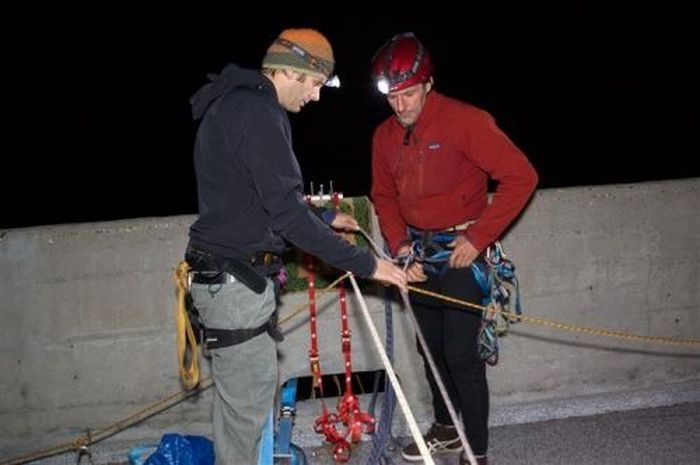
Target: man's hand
414, 272
463, 253
389, 273
345, 222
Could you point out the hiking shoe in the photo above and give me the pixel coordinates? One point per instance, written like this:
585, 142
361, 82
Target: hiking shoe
440, 439
480, 460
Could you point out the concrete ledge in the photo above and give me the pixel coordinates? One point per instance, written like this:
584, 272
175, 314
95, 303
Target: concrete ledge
88, 333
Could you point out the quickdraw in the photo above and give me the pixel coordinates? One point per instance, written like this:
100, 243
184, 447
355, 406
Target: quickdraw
355, 421
495, 276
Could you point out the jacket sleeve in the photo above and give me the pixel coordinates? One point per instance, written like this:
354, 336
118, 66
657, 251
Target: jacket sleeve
277, 180
385, 196
492, 151
324, 214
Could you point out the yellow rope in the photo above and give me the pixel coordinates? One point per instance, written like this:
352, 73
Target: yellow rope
305, 305
563, 326
94, 436
596, 331
186, 341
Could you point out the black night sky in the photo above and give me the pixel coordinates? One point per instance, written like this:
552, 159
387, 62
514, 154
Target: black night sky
97, 124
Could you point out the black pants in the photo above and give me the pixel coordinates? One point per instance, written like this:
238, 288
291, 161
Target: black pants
451, 333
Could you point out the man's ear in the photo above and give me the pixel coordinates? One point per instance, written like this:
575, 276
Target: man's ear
429, 85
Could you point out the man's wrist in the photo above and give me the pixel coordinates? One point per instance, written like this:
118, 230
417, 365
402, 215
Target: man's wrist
328, 216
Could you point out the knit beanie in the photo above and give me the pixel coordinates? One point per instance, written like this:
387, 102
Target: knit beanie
303, 50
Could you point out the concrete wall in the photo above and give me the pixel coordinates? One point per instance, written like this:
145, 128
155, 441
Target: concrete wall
88, 315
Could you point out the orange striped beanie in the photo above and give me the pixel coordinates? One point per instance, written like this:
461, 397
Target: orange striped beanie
303, 50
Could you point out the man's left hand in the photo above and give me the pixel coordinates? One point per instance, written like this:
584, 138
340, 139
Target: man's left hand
463, 253
345, 222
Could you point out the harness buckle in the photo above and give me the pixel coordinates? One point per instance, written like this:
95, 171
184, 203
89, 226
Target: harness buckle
264, 259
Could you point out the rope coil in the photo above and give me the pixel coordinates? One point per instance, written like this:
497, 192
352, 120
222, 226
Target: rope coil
187, 346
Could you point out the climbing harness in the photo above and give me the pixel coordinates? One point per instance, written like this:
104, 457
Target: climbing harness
495, 275
191, 331
431, 248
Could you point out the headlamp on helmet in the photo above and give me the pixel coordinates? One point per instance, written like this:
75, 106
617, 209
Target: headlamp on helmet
402, 62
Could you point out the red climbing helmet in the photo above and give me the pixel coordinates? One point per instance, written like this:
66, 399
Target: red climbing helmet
401, 62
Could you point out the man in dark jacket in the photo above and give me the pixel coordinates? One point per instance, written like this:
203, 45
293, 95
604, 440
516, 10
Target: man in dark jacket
251, 206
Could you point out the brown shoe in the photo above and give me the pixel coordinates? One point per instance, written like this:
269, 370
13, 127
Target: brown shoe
480, 460
440, 439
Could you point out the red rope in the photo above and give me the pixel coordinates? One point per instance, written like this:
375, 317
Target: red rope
314, 362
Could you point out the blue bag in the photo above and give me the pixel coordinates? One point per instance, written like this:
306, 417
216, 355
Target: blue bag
176, 449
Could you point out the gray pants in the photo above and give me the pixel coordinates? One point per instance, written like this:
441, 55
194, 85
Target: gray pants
245, 375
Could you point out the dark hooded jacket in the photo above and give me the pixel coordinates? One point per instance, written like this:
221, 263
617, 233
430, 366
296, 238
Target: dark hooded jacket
249, 183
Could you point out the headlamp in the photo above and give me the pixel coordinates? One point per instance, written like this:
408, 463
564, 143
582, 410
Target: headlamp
333, 81
383, 85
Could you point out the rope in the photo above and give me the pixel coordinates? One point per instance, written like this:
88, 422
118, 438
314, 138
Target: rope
597, 331
356, 422
304, 306
94, 436
438, 380
383, 429
403, 403
187, 346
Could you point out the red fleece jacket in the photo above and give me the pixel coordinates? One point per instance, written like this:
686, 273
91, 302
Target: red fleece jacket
439, 179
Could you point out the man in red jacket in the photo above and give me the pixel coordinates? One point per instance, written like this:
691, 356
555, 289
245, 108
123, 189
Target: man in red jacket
431, 162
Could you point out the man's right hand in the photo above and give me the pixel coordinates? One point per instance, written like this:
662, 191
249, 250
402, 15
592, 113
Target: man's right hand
389, 273
414, 272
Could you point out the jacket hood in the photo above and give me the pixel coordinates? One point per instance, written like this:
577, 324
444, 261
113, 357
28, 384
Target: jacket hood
231, 77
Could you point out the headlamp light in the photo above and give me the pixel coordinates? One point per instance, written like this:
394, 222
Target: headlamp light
333, 81
383, 85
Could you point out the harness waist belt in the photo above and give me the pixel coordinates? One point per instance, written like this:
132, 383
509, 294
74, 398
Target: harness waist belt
217, 338
203, 261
